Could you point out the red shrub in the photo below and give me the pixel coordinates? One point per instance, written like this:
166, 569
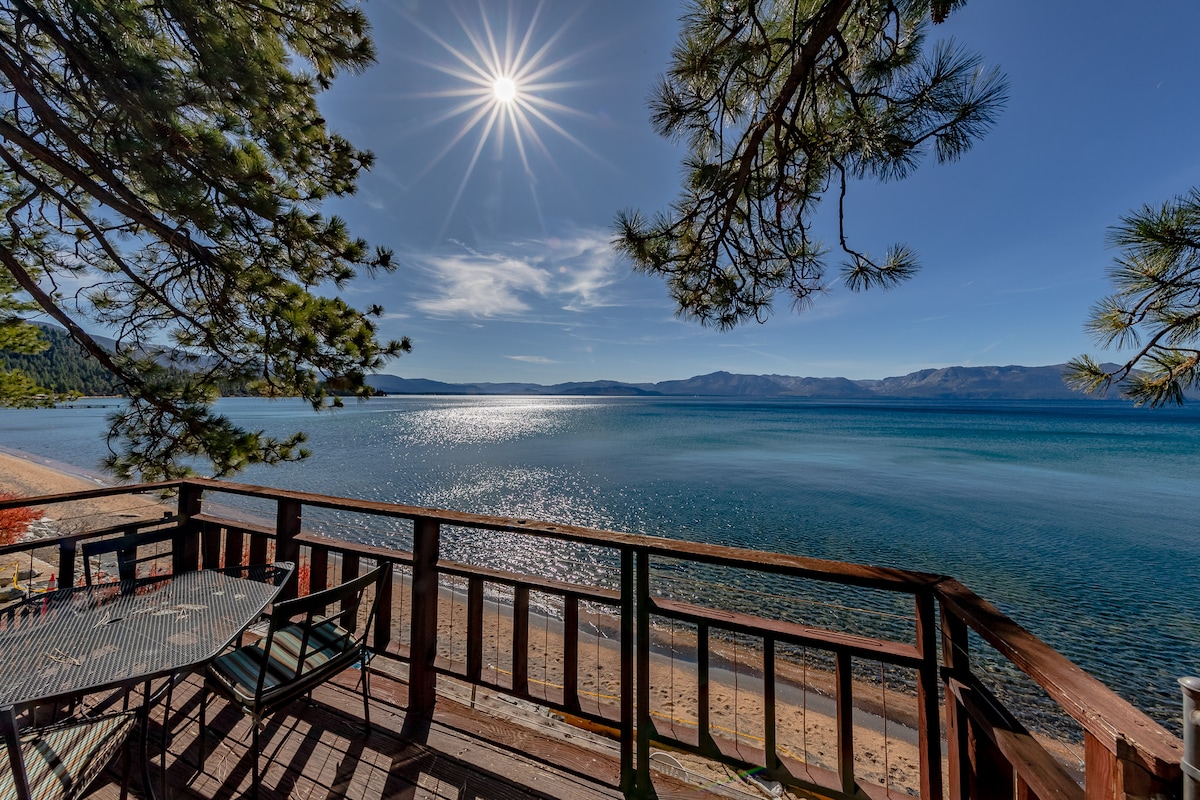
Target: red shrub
14, 522
303, 575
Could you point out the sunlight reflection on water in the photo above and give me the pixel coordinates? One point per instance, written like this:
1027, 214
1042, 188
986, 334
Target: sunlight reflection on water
455, 425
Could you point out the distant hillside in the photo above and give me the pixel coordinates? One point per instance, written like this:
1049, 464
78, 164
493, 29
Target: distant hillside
979, 383
391, 384
948, 383
64, 367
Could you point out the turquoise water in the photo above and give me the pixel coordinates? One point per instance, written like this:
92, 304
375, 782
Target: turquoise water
1076, 518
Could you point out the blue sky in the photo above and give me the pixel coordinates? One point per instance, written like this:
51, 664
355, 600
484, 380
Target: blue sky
506, 273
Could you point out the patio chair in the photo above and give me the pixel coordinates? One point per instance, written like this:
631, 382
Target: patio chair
61, 761
126, 548
308, 641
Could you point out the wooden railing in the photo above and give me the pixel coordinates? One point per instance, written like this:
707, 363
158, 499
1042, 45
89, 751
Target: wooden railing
968, 744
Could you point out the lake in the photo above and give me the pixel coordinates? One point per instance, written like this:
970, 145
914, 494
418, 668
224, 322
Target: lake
1075, 518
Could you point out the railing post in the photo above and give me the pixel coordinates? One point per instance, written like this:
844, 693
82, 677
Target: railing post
287, 528
422, 678
1190, 763
1111, 772
571, 652
520, 640
475, 629
628, 667
845, 722
770, 744
928, 729
645, 724
350, 570
381, 637
318, 569
235, 546
66, 563
957, 666
190, 501
210, 545
186, 553
703, 692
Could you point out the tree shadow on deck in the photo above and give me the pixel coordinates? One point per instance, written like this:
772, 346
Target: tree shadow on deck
319, 750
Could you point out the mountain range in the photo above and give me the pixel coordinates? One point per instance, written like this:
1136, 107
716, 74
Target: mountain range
64, 367
947, 383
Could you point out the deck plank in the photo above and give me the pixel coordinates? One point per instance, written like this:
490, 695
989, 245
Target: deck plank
320, 751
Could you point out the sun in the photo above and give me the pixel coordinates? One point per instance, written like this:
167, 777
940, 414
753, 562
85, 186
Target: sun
504, 90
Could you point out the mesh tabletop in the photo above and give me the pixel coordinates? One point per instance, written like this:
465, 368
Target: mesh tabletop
77, 640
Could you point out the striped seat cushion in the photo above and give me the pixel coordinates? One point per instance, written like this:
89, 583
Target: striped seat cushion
62, 761
240, 669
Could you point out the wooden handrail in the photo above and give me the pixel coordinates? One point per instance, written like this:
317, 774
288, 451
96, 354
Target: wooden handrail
1115, 723
734, 557
897, 653
97, 533
547, 585
90, 494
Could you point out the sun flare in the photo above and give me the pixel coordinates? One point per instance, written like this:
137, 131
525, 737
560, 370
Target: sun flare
505, 90
504, 78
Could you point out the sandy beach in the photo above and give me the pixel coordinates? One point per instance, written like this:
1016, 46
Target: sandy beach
23, 476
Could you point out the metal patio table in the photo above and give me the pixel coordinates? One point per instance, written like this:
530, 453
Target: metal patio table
74, 641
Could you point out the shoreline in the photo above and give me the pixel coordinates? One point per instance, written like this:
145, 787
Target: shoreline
18, 467
25, 475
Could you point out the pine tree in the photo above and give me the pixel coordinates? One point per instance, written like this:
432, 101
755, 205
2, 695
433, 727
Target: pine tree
169, 157
17, 387
1155, 309
781, 104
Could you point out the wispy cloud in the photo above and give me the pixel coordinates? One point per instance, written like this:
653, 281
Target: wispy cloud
475, 285
539, 277
533, 359
588, 266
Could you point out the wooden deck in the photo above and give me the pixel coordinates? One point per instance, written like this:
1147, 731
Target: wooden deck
698, 660
319, 750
